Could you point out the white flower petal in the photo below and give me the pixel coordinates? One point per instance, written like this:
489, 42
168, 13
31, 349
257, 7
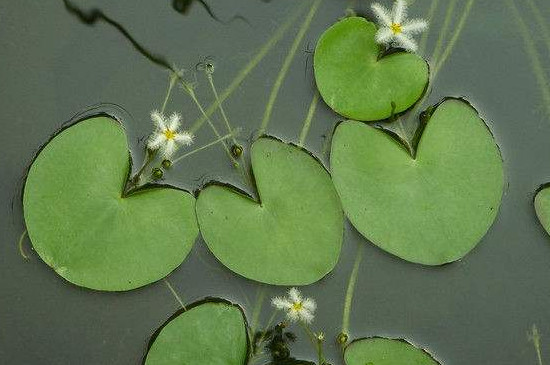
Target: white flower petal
168, 149
384, 36
184, 138
295, 295
399, 11
415, 26
158, 119
174, 121
293, 315
406, 42
306, 316
309, 305
155, 141
281, 303
382, 14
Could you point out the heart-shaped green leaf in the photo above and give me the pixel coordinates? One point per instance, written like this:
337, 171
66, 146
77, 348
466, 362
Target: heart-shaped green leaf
383, 351
212, 332
356, 83
431, 209
82, 226
293, 236
542, 207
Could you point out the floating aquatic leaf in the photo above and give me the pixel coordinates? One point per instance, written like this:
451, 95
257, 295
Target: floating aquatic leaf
82, 225
383, 351
356, 83
293, 235
212, 332
431, 209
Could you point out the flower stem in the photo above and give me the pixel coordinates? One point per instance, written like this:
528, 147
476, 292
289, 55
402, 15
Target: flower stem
286, 66
173, 79
349, 292
193, 97
176, 160
220, 105
315, 341
150, 156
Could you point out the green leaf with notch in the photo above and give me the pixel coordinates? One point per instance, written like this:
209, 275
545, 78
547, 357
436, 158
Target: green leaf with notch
82, 225
292, 235
359, 84
431, 209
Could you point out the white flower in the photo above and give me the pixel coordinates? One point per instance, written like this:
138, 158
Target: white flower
296, 307
394, 28
167, 137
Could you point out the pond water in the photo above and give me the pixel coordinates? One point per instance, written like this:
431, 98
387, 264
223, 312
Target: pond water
53, 66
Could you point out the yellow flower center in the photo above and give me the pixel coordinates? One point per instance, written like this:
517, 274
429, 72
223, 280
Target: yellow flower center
169, 134
396, 28
297, 306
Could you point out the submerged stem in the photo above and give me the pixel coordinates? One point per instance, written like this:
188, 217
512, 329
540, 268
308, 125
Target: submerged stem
174, 293
431, 13
454, 38
309, 117
250, 66
444, 30
20, 245
286, 66
531, 48
534, 337
541, 22
349, 292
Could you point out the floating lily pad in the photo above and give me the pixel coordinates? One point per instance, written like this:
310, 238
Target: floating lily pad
293, 235
432, 209
542, 206
212, 332
82, 225
356, 82
383, 351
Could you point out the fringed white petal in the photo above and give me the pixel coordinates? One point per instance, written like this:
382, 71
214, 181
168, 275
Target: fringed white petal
309, 305
295, 295
384, 36
415, 26
155, 141
174, 121
184, 138
281, 303
293, 315
382, 14
306, 316
406, 42
168, 149
399, 11
158, 119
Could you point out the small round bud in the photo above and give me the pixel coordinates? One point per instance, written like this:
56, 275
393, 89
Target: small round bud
157, 173
166, 164
320, 336
209, 68
342, 338
236, 150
